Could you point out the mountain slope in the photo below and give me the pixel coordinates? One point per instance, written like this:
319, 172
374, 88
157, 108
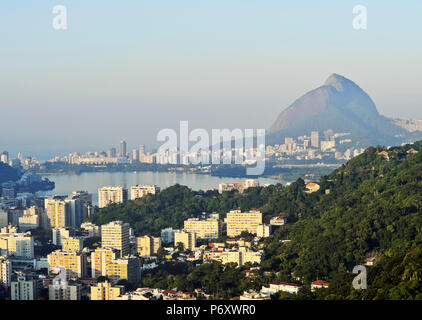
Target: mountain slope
342, 106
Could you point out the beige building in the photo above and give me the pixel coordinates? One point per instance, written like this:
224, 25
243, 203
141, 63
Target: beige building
241, 187
263, 230
5, 272
238, 221
100, 259
140, 191
116, 235
9, 229
128, 268
17, 244
278, 221
31, 218
108, 195
91, 230
105, 291
240, 257
72, 244
253, 295
188, 239
204, 229
58, 212
74, 262
147, 245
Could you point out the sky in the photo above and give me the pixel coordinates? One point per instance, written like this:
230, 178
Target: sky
127, 69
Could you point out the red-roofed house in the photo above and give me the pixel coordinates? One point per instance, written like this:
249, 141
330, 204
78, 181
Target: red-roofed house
319, 284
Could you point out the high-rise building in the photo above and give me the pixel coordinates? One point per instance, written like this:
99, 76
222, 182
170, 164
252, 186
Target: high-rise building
4, 157
5, 272
204, 228
116, 235
4, 218
74, 262
111, 153
238, 221
122, 148
61, 289
58, 212
100, 259
127, 268
167, 235
105, 291
140, 191
315, 139
20, 245
141, 153
108, 195
135, 155
188, 239
148, 245
23, 287
79, 205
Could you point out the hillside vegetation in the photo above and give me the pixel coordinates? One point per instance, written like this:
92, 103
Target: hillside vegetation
369, 207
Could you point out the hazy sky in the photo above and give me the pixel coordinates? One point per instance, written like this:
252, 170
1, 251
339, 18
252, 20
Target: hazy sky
126, 69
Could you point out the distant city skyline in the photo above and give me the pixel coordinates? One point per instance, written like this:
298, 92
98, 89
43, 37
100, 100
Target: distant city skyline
143, 66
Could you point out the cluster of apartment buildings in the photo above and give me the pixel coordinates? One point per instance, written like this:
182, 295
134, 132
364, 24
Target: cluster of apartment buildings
20, 161
71, 271
315, 146
110, 195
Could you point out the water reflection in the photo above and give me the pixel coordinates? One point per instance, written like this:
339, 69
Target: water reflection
91, 181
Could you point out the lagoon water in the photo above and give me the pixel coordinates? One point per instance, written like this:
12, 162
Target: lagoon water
91, 181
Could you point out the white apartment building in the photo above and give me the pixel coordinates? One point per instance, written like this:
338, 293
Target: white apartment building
91, 229
140, 191
17, 244
109, 195
238, 221
23, 288
31, 218
204, 228
116, 235
61, 289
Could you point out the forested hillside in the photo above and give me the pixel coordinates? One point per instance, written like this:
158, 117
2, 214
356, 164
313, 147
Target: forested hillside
370, 207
